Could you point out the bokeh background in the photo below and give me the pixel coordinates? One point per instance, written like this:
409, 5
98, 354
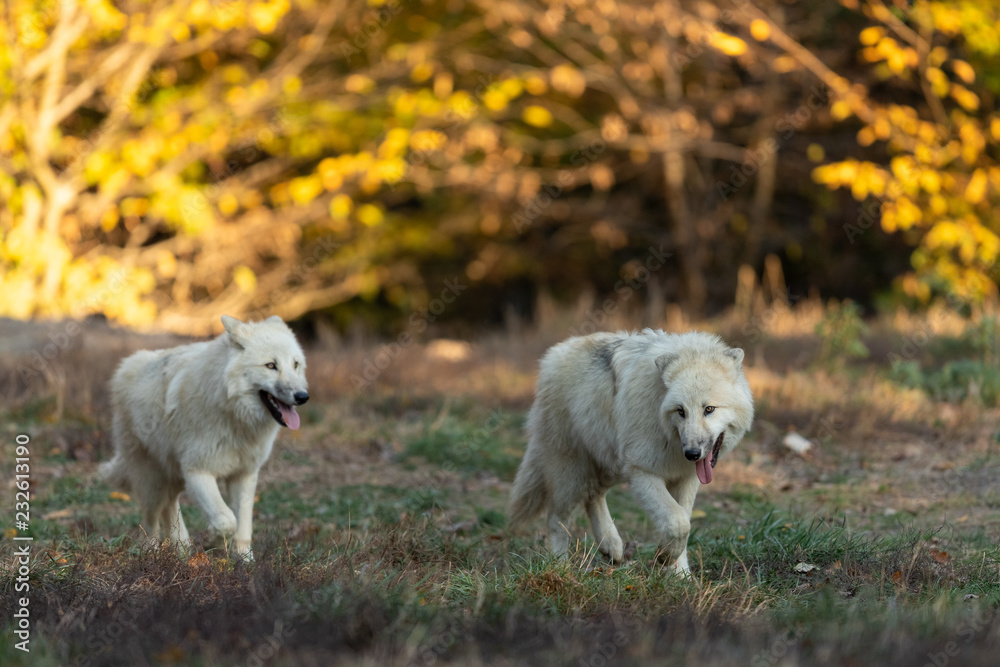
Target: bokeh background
434, 192
165, 161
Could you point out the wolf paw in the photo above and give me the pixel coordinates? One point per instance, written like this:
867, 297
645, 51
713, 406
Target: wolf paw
677, 569
673, 544
244, 551
223, 523
613, 548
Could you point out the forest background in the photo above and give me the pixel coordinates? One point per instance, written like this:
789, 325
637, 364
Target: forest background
165, 161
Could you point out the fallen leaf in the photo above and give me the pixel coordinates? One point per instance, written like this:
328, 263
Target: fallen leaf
198, 560
805, 567
698, 514
947, 465
59, 514
940, 556
118, 495
970, 596
836, 565
962, 519
173, 654
897, 577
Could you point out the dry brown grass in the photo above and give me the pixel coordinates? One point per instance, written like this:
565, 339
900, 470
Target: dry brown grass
423, 570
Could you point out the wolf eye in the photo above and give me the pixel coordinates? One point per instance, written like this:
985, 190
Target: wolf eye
296, 365
680, 411
709, 409
273, 366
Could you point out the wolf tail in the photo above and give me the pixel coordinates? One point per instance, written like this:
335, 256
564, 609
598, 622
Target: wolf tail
113, 474
530, 494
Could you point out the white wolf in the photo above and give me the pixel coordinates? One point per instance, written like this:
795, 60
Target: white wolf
654, 409
188, 417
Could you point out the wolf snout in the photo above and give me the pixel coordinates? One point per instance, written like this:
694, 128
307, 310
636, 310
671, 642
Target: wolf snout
692, 454
300, 397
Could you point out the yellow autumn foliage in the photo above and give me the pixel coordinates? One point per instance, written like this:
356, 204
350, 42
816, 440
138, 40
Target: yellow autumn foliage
193, 145
939, 179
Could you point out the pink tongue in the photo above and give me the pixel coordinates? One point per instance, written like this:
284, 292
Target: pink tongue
704, 469
289, 414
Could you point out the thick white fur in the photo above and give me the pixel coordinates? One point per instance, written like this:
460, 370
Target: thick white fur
606, 412
188, 417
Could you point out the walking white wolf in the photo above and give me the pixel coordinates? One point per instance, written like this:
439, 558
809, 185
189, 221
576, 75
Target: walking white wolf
654, 409
188, 417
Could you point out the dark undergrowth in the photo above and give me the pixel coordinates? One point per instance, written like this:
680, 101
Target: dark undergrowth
410, 594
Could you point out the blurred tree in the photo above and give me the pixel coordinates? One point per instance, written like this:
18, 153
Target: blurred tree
931, 107
120, 127
167, 161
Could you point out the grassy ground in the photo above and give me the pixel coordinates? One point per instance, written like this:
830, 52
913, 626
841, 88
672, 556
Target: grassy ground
380, 536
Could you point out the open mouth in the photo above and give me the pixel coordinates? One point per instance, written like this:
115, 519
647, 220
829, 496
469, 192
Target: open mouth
716, 448
283, 413
703, 467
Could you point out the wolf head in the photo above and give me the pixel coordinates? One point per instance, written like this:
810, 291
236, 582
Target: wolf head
708, 404
266, 372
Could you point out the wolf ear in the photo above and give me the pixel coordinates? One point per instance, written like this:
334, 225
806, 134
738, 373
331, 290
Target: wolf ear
665, 360
736, 354
237, 331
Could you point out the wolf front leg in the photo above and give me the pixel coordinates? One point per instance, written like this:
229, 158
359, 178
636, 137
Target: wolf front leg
173, 520
204, 490
673, 523
609, 542
684, 491
242, 490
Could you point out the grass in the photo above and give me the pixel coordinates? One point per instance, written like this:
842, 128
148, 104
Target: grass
380, 538
408, 588
384, 574
494, 444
